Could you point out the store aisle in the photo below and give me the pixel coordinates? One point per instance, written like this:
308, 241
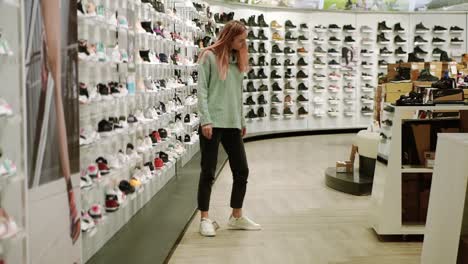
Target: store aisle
303, 220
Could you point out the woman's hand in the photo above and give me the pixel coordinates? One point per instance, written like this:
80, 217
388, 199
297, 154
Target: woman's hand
244, 131
207, 131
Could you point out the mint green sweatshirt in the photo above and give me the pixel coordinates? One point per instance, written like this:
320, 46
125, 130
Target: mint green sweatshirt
220, 101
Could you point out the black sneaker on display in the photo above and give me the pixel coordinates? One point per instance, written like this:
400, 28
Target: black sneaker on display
275, 87
261, 112
274, 62
421, 27
304, 26
251, 22
303, 38
250, 88
302, 111
383, 26
384, 50
413, 57
261, 100
319, 50
438, 40
249, 101
103, 89
398, 28
301, 98
334, 39
419, 39
275, 99
276, 49
251, 114
288, 62
317, 61
289, 36
333, 26
456, 29
288, 75
301, 75
418, 50
403, 74
456, 40
437, 51
289, 50
444, 57
274, 75
332, 51
289, 24
302, 87
274, 112
302, 62
383, 62
381, 38
366, 110
426, 76
439, 28
263, 88
348, 28
400, 51
399, 40
287, 111
333, 62
349, 39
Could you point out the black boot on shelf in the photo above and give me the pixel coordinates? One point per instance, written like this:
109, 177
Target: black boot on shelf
276, 88
383, 26
398, 28
276, 49
289, 36
261, 100
261, 112
289, 24
302, 87
261, 74
302, 62
403, 74
261, 48
251, 22
251, 75
261, 35
251, 35
249, 101
251, 114
252, 62
261, 61
274, 62
288, 74
288, 62
261, 21
252, 48
250, 88
301, 75
263, 88
444, 57
274, 75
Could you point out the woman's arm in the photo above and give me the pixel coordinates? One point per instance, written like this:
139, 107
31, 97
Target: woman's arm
203, 84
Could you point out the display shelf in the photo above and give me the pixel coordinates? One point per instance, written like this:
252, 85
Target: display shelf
447, 215
386, 199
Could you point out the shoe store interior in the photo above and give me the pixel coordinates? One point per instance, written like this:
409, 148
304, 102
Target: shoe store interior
259, 131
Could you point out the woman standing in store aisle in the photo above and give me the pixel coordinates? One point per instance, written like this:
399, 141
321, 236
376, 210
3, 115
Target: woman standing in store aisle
221, 72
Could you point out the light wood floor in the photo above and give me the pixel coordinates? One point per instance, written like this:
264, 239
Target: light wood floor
303, 220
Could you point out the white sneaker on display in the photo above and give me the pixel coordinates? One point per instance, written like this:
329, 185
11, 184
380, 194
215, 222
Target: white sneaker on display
208, 227
243, 223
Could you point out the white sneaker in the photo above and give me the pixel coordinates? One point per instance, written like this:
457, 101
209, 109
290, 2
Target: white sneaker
208, 227
243, 223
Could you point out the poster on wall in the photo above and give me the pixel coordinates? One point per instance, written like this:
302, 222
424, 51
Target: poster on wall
367, 5
53, 123
449, 5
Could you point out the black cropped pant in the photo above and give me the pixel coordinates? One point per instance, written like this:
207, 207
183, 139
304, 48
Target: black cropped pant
233, 144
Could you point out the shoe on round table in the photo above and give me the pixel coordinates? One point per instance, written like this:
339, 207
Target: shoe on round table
208, 227
243, 223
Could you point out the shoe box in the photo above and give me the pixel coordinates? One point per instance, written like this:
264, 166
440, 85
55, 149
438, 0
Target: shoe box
393, 91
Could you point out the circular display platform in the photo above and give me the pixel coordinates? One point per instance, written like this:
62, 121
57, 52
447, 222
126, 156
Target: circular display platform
352, 183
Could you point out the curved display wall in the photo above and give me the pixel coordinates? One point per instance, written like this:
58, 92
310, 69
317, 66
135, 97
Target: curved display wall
334, 60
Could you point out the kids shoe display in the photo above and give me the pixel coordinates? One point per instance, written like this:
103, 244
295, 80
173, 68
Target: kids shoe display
112, 201
95, 212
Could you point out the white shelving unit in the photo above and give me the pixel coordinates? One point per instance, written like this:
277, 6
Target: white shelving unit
13, 184
448, 208
386, 199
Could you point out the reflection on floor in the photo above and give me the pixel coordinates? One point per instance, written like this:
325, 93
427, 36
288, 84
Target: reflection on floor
303, 220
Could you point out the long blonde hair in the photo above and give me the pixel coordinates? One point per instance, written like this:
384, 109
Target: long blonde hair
222, 48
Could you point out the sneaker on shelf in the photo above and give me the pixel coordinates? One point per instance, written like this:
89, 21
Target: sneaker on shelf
105, 128
87, 223
86, 183
112, 201
421, 28
126, 187
102, 166
95, 212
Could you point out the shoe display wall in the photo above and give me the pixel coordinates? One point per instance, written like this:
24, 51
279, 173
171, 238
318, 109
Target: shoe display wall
340, 60
138, 106
13, 158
